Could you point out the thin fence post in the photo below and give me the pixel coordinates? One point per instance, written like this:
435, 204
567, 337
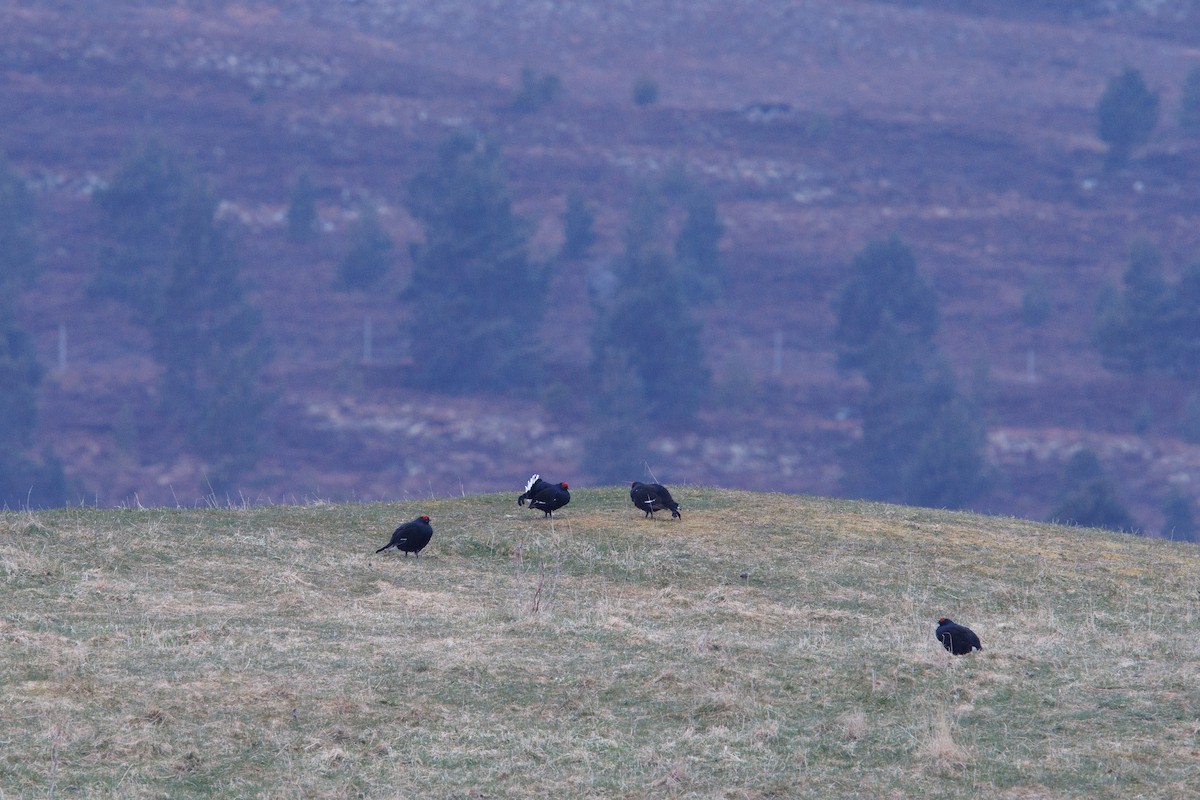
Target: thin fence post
62, 347
777, 362
366, 340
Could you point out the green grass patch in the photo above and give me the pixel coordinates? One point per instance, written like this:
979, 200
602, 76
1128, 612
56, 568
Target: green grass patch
765, 646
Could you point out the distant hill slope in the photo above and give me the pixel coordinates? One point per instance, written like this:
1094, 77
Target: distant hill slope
970, 133
766, 646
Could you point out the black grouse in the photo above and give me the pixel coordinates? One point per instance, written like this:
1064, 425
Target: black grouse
411, 537
545, 497
651, 497
958, 639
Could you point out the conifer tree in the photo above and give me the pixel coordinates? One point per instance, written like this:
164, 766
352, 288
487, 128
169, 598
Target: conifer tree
25, 482
475, 299
20, 374
579, 232
645, 91
1127, 114
1129, 328
370, 255
1151, 324
302, 210
1178, 520
19, 370
140, 208
648, 321
1189, 104
18, 239
172, 263
922, 442
883, 282
696, 247
620, 430
1089, 497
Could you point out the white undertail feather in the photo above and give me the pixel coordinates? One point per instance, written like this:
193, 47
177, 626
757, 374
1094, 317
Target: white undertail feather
532, 481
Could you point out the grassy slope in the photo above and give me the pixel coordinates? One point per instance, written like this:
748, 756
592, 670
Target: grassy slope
269, 652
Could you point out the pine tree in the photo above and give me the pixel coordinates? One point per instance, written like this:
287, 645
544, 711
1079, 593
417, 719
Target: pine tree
20, 374
620, 430
476, 300
302, 210
24, 481
948, 468
696, 247
1189, 104
1128, 331
1089, 497
883, 281
140, 207
1036, 304
579, 232
18, 239
370, 255
922, 442
1150, 325
904, 395
1180, 326
645, 91
538, 89
1127, 114
19, 369
172, 263
648, 320
1178, 520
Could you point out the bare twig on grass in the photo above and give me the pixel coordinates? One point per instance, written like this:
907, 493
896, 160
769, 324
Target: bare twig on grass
55, 742
544, 585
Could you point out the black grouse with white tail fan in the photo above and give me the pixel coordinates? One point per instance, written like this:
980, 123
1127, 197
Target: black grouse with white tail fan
545, 497
411, 537
651, 497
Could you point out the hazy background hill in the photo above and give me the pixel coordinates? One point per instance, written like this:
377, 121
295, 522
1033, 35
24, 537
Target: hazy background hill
817, 128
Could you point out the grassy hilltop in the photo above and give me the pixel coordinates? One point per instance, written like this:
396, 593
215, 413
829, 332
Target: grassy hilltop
767, 646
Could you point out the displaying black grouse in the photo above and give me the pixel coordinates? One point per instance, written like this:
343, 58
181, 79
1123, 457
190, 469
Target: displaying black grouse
958, 639
651, 497
545, 497
411, 537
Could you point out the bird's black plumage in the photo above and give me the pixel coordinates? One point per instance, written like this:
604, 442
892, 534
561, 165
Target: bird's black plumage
545, 497
958, 639
411, 537
651, 497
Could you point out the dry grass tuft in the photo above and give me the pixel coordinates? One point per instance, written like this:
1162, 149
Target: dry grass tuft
939, 747
854, 725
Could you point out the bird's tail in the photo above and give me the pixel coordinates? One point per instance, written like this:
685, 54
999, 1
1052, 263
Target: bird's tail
521, 500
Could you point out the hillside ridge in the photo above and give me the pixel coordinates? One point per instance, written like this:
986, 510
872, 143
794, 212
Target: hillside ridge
767, 645
971, 135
